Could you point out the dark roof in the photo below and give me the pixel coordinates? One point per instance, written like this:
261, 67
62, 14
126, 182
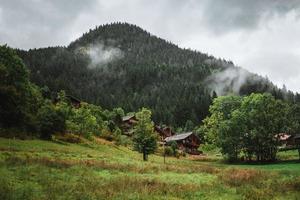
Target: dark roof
283, 136
128, 117
72, 98
178, 137
297, 136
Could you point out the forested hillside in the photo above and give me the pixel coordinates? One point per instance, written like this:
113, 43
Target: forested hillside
121, 65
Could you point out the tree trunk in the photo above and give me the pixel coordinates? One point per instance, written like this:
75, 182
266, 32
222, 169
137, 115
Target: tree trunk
145, 158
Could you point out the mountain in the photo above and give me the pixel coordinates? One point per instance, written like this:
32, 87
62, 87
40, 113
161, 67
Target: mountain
122, 65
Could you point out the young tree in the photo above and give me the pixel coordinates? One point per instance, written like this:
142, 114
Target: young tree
83, 122
50, 120
220, 111
144, 138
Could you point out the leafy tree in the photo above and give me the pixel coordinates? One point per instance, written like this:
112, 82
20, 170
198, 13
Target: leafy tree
263, 118
83, 122
14, 84
220, 111
294, 118
144, 139
50, 120
19, 99
294, 122
246, 125
174, 147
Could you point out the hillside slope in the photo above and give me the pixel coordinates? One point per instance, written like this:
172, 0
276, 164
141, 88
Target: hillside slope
121, 65
36, 169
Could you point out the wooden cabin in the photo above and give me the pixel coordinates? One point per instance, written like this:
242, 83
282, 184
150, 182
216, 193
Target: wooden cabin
297, 139
288, 141
187, 142
284, 139
75, 102
164, 132
128, 123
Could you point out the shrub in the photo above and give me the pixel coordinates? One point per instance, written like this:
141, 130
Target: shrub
50, 121
123, 140
106, 134
169, 151
208, 147
82, 122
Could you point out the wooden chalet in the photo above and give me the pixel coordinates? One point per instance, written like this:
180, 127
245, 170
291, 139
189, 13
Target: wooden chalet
127, 124
187, 142
297, 139
287, 140
74, 101
164, 132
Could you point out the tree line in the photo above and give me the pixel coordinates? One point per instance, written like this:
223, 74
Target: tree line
248, 127
240, 126
152, 73
27, 111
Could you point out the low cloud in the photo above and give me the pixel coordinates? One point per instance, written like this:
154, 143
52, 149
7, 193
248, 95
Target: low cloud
101, 55
229, 80
238, 30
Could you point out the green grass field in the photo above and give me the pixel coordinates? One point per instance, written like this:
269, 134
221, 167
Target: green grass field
36, 169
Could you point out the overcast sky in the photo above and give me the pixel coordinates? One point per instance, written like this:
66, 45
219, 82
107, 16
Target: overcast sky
262, 36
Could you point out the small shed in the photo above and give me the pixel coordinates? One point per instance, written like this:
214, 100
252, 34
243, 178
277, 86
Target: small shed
128, 123
74, 101
187, 142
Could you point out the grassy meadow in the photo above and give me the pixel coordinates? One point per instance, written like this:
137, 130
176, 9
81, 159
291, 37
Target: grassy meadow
36, 169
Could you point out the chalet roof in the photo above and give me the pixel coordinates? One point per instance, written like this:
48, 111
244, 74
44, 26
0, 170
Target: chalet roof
297, 136
128, 117
178, 137
72, 98
283, 136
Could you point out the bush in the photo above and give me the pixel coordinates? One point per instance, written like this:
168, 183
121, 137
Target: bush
50, 121
208, 147
106, 134
123, 140
82, 122
169, 151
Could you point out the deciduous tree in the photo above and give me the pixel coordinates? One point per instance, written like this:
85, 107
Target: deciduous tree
144, 138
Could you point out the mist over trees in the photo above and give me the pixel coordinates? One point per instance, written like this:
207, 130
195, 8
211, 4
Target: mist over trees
28, 110
178, 92
135, 69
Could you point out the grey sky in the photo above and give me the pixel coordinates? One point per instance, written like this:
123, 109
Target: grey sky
259, 35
